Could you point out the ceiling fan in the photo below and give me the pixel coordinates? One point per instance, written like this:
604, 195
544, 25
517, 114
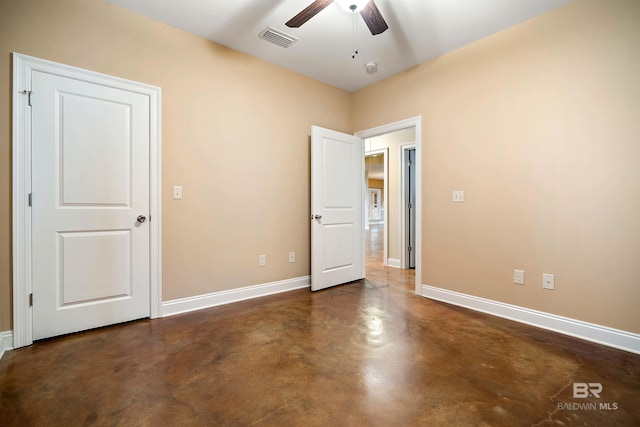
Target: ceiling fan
367, 8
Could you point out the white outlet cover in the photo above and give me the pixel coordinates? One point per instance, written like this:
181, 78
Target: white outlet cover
518, 277
262, 260
458, 196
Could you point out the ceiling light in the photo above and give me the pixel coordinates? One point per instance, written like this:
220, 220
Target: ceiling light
352, 5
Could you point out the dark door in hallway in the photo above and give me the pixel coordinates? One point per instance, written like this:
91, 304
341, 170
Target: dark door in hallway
410, 211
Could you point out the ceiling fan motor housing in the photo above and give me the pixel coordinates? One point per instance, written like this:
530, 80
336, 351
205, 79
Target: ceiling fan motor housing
367, 8
352, 5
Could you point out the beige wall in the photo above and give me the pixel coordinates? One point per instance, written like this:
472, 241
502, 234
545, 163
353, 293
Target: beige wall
540, 125
393, 141
223, 114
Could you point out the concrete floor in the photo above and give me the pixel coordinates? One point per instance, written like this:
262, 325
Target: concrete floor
367, 353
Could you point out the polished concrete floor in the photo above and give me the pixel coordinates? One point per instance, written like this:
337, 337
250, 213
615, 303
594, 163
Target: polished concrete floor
370, 353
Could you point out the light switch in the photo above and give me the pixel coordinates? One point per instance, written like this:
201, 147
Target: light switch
177, 192
458, 196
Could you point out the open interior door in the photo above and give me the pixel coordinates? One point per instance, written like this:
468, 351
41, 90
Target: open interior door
337, 200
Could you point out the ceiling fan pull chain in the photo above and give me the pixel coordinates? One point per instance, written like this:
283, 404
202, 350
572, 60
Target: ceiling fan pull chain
355, 38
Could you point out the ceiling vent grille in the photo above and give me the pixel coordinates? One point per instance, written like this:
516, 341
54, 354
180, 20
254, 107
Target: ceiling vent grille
278, 37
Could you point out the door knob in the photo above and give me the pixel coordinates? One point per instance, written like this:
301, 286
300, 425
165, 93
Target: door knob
141, 218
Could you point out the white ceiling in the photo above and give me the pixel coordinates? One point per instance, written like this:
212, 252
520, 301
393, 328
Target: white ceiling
419, 30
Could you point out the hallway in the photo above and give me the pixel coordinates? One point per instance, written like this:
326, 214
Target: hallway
375, 270
370, 353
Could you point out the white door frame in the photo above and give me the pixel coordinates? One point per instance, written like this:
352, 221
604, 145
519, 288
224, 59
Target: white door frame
23, 66
404, 255
415, 122
385, 195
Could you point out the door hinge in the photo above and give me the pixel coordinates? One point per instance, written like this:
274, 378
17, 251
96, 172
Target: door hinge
410, 249
30, 300
30, 199
28, 93
410, 205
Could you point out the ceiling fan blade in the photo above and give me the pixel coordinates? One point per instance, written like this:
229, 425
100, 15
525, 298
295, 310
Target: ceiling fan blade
373, 18
307, 13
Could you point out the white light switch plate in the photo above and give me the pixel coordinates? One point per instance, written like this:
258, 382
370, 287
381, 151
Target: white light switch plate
548, 281
458, 196
177, 192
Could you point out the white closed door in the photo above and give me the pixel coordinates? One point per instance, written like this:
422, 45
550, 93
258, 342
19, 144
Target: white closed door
90, 183
374, 204
337, 200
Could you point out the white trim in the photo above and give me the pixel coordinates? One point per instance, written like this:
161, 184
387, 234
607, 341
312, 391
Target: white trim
23, 66
391, 127
199, 302
6, 342
393, 262
604, 335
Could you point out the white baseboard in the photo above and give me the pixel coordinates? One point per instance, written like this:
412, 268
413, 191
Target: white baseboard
6, 342
604, 335
392, 262
184, 305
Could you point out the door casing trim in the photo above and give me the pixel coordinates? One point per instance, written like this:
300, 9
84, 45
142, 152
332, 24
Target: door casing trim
23, 66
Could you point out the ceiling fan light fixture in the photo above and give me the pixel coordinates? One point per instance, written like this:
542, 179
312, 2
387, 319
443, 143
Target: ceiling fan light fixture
351, 6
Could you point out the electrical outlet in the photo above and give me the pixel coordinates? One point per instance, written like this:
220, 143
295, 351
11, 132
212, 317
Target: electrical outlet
548, 281
458, 196
262, 260
518, 277
292, 257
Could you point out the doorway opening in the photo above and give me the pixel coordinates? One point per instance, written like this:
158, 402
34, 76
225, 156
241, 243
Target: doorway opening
392, 226
376, 213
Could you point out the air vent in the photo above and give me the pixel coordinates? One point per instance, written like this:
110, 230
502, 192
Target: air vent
278, 37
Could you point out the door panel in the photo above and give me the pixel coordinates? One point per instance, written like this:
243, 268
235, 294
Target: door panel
90, 154
338, 239
337, 197
81, 258
95, 145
